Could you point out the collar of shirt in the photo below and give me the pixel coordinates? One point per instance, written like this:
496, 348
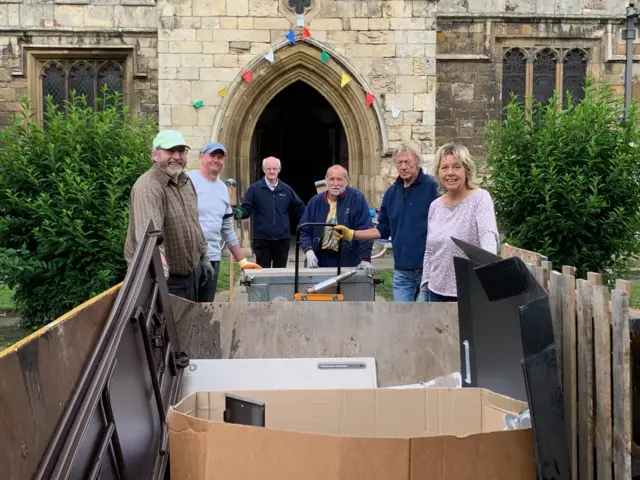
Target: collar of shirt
270, 186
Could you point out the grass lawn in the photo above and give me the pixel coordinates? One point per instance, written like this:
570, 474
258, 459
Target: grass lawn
6, 299
223, 276
635, 296
385, 289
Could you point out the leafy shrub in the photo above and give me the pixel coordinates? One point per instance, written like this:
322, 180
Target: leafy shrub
64, 202
565, 181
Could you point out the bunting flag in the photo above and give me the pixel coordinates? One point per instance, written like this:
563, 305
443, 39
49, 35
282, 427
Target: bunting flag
305, 33
395, 112
247, 76
300, 21
324, 57
345, 79
222, 92
370, 99
291, 36
198, 104
269, 56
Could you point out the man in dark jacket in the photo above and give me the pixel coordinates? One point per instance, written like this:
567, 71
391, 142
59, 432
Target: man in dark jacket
270, 200
403, 216
339, 204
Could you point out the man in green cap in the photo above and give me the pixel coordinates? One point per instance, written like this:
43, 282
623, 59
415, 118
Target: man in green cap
166, 195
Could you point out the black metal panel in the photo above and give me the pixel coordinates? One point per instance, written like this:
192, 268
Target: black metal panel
114, 427
546, 405
490, 293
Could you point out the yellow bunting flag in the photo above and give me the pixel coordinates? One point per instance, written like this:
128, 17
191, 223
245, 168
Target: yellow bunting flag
345, 79
222, 92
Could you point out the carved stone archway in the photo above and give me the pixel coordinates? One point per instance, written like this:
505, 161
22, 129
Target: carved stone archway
364, 126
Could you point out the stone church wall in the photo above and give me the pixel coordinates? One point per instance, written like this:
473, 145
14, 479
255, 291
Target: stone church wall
205, 44
77, 29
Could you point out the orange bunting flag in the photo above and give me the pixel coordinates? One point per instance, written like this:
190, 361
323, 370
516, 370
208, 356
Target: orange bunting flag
305, 33
370, 99
247, 76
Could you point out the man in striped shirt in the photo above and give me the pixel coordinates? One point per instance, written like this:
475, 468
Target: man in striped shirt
166, 195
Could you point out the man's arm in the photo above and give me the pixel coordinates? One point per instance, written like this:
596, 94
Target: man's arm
147, 205
228, 234
306, 233
363, 224
382, 230
246, 208
296, 206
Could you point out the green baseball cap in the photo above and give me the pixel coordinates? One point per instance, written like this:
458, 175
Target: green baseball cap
168, 139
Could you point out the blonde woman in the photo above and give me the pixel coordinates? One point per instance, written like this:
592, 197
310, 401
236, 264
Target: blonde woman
464, 211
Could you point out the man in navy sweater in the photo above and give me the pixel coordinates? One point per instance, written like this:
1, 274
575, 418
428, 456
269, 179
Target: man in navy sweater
270, 200
339, 204
403, 216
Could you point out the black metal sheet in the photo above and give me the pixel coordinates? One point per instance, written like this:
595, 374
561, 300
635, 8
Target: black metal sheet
536, 326
115, 427
546, 405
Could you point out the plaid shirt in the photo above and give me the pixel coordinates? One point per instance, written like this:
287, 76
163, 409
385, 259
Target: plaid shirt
173, 207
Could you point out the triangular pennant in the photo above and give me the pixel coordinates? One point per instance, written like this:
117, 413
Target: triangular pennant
345, 79
222, 92
370, 99
291, 36
269, 56
198, 104
305, 33
324, 56
395, 112
300, 21
247, 76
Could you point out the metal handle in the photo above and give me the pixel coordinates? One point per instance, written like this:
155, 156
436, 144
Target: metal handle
298, 229
467, 362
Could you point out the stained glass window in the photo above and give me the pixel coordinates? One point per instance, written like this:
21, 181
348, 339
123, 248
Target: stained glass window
53, 83
85, 77
514, 76
573, 75
544, 75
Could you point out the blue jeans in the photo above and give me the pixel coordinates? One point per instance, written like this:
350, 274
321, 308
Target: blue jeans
406, 284
436, 297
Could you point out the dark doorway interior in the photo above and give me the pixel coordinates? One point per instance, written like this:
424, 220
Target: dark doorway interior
301, 128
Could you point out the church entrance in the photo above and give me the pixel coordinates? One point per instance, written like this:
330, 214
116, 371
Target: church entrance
301, 128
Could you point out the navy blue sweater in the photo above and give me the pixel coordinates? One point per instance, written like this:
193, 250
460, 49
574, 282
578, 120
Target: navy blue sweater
404, 215
353, 212
271, 209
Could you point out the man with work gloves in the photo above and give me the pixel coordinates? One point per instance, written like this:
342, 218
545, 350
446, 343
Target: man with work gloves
339, 205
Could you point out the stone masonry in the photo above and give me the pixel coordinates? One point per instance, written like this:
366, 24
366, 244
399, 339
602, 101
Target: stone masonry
72, 26
205, 44
473, 37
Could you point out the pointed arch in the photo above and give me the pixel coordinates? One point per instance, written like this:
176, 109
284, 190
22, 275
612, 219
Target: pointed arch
241, 107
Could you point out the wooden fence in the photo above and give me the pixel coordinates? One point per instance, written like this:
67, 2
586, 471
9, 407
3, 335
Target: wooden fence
593, 341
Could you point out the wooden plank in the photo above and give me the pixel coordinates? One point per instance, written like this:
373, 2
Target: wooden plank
538, 274
548, 268
625, 286
526, 256
555, 303
602, 367
594, 278
569, 270
621, 345
569, 361
585, 379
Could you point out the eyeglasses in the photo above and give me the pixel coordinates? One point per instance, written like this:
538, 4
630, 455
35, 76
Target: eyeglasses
182, 151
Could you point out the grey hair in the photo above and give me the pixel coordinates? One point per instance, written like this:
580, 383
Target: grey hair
408, 147
264, 160
344, 170
464, 157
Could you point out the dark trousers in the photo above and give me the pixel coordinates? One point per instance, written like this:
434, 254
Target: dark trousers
207, 293
436, 297
185, 286
271, 253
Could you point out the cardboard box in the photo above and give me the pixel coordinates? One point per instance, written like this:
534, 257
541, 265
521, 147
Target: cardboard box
374, 434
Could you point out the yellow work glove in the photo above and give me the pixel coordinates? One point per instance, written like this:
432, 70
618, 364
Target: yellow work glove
343, 233
245, 265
